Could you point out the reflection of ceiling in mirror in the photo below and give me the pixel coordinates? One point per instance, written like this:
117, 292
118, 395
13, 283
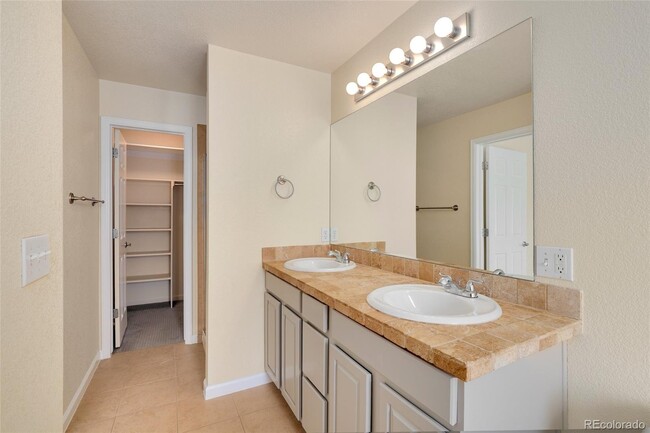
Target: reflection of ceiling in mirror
494, 71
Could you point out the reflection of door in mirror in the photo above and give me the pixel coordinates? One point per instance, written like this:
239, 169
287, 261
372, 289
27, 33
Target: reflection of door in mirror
502, 205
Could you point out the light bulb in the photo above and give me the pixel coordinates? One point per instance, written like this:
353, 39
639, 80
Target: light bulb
379, 70
444, 28
398, 57
352, 88
364, 79
419, 45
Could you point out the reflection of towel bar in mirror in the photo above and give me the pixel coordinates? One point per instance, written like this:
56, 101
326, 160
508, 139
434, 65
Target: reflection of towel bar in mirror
454, 208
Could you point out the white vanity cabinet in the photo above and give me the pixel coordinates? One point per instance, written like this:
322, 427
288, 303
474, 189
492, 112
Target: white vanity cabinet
349, 400
339, 376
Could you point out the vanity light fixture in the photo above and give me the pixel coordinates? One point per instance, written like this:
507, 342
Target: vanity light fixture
447, 33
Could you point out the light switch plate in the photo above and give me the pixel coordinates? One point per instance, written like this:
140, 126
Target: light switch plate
35, 258
554, 262
334, 234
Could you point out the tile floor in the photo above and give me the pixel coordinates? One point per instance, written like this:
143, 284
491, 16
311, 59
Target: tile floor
160, 390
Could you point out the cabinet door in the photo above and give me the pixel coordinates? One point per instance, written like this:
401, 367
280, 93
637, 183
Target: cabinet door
291, 362
314, 409
349, 398
272, 338
396, 414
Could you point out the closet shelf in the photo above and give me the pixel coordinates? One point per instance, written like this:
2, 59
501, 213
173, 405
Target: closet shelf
150, 204
149, 230
149, 254
148, 278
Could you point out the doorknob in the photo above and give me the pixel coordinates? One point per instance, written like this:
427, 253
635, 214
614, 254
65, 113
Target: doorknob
127, 244
523, 244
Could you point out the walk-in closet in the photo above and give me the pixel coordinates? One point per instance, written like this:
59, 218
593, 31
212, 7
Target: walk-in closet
153, 217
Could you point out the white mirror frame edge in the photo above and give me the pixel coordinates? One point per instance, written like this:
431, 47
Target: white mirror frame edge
105, 272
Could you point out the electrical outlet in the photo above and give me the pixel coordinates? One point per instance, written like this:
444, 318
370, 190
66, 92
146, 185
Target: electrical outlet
325, 234
554, 262
334, 234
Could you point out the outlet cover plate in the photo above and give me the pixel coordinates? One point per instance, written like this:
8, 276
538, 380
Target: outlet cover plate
554, 262
325, 234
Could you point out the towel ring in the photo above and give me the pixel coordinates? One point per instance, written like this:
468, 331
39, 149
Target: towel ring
281, 180
371, 187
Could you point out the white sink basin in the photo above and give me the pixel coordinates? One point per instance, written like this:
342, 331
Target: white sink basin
318, 264
432, 304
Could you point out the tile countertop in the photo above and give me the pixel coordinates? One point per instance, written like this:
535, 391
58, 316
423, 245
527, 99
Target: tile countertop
463, 351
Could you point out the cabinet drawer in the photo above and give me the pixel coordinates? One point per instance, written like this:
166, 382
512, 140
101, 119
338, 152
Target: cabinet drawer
315, 312
288, 294
314, 357
314, 409
393, 413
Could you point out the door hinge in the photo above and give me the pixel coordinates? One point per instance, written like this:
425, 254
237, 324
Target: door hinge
485, 233
116, 313
116, 152
115, 233
485, 165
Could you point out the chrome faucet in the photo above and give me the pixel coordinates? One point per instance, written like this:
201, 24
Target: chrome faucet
341, 258
448, 284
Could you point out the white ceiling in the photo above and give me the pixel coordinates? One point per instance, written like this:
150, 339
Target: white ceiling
494, 71
163, 44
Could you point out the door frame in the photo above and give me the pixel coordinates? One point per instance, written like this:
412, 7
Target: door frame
106, 240
477, 183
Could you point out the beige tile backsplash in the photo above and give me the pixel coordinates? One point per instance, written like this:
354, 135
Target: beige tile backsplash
555, 299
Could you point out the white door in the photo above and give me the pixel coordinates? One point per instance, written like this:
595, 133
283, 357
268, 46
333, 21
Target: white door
506, 208
349, 397
291, 360
119, 243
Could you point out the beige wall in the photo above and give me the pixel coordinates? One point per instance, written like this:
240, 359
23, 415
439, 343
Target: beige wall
80, 221
443, 176
261, 125
591, 172
377, 144
32, 203
153, 105
132, 102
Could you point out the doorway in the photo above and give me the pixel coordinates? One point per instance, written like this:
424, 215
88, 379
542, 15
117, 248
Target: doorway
502, 202
148, 250
147, 235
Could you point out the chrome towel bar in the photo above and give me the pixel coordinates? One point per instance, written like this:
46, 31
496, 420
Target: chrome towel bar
454, 208
72, 198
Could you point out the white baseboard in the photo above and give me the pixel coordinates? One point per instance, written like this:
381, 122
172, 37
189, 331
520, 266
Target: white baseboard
81, 390
220, 389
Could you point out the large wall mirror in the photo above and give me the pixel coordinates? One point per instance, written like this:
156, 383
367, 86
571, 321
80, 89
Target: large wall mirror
442, 168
